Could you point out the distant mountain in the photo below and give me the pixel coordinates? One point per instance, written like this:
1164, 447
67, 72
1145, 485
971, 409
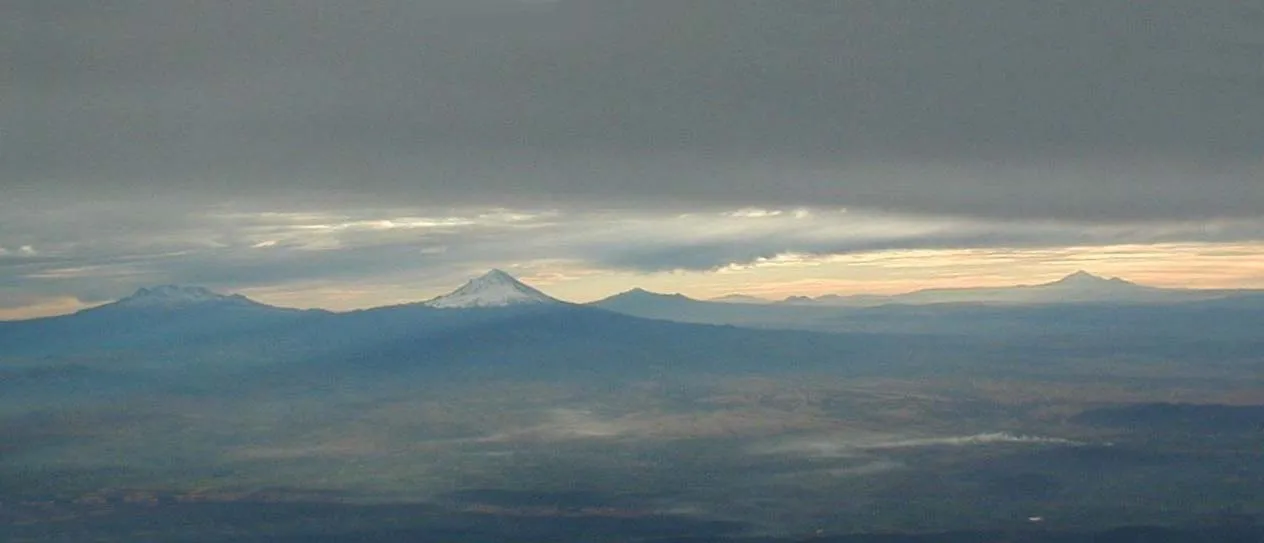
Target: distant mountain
1078, 287
496, 320
633, 300
739, 299
494, 289
180, 297
678, 307
1078, 304
838, 300
155, 318
493, 323
798, 300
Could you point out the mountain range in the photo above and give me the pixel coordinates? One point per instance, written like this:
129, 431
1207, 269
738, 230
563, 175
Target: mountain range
1079, 304
492, 325
495, 324
1078, 287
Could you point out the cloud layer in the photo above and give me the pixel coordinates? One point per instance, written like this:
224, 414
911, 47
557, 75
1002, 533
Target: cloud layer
250, 144
1093, 110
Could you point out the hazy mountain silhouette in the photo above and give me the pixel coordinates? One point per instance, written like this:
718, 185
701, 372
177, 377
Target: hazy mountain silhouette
1078, 287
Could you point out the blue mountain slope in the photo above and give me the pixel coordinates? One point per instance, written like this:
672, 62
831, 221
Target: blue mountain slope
215, 337
205, 335
576, 340
161, 319
1232, 316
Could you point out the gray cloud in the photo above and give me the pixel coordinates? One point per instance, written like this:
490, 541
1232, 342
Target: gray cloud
245, 144
832, 234
1094, 111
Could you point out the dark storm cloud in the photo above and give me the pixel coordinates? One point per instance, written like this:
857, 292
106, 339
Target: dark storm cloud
254, 144
1101, 111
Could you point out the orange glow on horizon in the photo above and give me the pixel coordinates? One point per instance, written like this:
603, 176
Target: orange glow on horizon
1188, 265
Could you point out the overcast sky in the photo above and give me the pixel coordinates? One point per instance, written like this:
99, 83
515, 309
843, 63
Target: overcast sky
348, 153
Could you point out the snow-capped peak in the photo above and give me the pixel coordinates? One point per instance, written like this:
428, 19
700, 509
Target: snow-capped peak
175, 296
494, 289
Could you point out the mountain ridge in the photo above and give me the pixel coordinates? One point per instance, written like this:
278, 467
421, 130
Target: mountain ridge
172, 296
497, 288
1078, 287
420, 333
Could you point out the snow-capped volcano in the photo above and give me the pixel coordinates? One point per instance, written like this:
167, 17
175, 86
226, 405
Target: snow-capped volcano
494, 289
173, 296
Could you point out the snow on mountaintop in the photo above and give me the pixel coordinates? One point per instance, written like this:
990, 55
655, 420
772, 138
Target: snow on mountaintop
494, 289
166, 296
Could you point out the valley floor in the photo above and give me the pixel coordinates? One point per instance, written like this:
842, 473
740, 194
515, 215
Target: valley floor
722, 457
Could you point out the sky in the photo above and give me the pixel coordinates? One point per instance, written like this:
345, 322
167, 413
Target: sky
350, 154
